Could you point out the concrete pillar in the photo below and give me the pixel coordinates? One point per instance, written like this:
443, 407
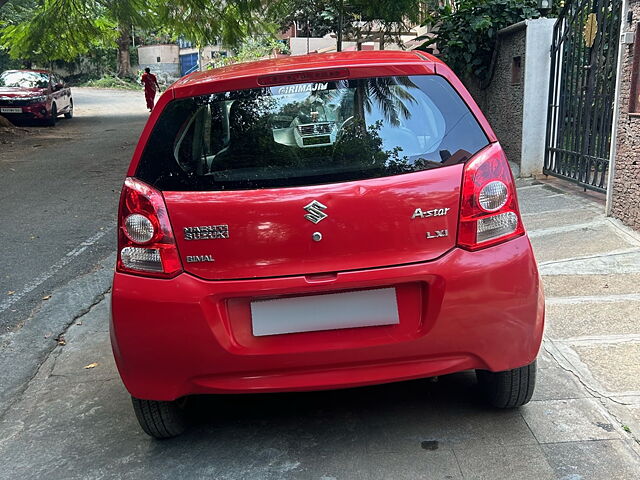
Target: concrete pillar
537, 66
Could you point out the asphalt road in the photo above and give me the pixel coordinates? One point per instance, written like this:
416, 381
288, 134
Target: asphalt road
59, 190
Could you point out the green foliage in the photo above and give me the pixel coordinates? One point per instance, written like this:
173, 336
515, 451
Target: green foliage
205, 21
66, 29
316, 17
322, 16
60, 30
16, 11
466, 35
251, 49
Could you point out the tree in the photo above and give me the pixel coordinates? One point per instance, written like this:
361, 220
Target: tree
466, 32
65, 29
388, 19
359, 20
317, 17
13, 13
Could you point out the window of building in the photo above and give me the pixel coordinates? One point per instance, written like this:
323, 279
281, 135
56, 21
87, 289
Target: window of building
158, 59
516, 71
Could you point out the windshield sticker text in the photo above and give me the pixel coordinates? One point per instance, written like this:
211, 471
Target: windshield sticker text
303, 87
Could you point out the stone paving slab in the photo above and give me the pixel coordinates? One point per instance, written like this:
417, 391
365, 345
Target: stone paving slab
585, 241
626, 409
616, 367
589, 319
608, 263
555, 383
590, 285
418, 465
601, 460
569, 420
536, 202
505, 463
543, 220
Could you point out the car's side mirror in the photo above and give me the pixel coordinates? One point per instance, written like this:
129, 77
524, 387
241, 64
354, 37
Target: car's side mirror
57, 87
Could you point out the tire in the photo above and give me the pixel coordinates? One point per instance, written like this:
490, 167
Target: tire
160, 419
69, 114
51, 121
508, 389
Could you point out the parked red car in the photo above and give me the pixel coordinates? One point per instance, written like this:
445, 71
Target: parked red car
34, 95
320, 222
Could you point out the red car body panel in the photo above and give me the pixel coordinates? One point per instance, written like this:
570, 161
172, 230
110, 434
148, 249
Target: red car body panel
462, 311
457, 309
363, 229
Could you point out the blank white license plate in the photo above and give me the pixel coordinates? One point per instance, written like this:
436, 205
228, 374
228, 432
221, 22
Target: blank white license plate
10, 110
332, 311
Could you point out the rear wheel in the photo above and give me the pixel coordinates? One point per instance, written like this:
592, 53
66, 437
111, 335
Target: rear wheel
161, 419
69, 114
508, 389
51, 121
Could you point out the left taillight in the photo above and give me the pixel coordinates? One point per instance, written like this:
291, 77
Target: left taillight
489, 212
146, 245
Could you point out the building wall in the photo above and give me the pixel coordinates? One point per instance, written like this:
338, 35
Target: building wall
502, 100
625, 186
168, 68
298, 45
148, 54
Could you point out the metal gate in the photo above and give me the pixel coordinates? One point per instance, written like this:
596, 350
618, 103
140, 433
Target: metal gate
582, 90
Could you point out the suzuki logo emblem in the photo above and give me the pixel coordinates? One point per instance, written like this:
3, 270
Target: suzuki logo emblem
315, 210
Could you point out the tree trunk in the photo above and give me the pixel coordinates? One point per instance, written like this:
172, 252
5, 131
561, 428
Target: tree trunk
124, 60
340, 26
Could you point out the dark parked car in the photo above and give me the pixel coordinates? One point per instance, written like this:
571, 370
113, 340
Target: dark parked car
34, 95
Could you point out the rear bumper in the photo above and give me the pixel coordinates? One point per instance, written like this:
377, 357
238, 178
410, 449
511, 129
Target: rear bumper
463, 311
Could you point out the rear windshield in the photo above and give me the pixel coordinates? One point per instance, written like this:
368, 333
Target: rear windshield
308, 134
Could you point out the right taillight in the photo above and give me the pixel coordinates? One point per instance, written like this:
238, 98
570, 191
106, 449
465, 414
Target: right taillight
489, 211
146, 245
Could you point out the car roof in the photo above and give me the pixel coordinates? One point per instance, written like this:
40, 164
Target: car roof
304, 62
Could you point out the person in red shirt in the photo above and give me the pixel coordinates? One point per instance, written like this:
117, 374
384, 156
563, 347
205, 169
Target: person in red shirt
151, 86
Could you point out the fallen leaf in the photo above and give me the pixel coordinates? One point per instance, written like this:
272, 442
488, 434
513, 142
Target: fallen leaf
61, 340
78, 323
11, 292
91, 365
46, 297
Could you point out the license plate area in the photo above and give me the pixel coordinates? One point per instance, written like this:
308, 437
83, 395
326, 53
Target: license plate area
331, 311
10, 110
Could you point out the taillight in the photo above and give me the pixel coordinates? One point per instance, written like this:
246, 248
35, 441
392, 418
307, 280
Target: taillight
489, 211
145, 240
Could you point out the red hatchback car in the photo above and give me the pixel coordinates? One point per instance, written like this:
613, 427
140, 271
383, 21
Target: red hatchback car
320, 222
34, 95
